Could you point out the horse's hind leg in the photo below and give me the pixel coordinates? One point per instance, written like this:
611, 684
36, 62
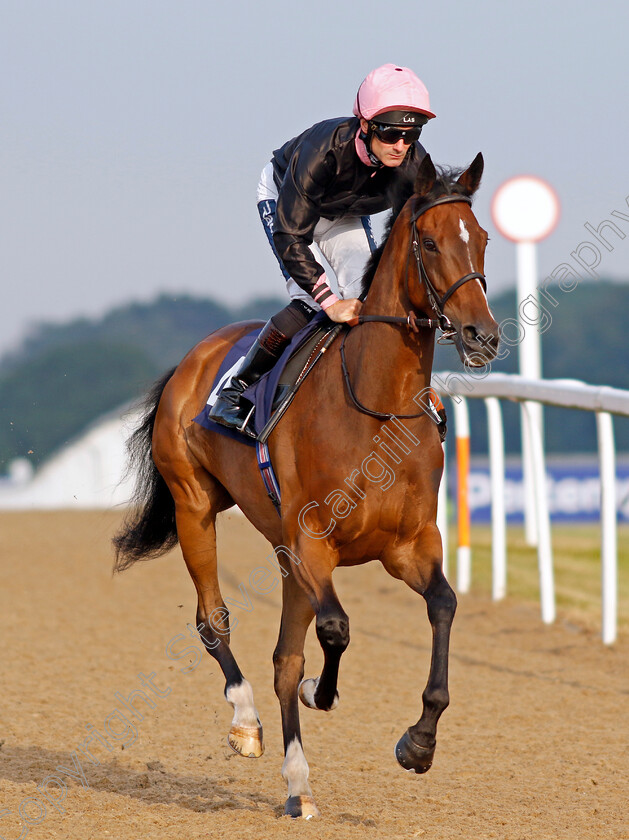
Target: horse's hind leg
288, 661
198, 499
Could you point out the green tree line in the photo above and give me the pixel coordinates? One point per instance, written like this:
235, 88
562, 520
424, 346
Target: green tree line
63, 377
584, 337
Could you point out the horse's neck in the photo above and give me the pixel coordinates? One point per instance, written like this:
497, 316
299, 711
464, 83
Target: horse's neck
387, 293
392, 362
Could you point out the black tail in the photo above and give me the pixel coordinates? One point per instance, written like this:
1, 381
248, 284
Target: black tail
150, 528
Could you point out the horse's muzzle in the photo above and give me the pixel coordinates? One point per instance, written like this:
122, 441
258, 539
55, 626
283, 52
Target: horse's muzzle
477, 346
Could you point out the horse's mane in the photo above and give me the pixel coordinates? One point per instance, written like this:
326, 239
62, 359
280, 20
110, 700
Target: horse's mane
445, 184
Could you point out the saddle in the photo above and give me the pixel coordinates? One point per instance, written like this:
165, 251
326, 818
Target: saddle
272, 393
297, 368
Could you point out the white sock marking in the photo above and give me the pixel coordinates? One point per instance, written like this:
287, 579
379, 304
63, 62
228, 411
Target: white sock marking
241, 698
295, 770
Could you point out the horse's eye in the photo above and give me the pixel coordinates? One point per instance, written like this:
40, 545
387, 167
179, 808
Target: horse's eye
429, 245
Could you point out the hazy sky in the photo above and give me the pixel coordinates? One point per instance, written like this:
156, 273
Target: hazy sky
132, 132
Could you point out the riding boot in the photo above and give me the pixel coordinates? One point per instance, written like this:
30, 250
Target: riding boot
231, 409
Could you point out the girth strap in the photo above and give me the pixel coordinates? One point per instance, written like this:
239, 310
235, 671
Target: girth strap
271, 484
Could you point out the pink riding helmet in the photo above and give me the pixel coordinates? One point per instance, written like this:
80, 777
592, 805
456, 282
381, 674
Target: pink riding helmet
390, 88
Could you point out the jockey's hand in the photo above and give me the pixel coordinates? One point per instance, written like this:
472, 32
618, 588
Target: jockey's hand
344, 310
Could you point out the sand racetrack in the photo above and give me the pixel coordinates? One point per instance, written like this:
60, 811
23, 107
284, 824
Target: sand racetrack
534, 745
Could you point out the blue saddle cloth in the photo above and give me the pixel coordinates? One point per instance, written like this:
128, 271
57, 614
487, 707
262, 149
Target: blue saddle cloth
261, 393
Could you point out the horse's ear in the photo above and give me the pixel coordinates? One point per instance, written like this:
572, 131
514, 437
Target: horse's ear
470, 179
426, 176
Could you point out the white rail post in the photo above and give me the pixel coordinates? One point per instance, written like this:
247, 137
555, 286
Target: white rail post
603, 400
609, 560
530, 360
442, 510
544, 547
498, 514
525, 209
464, 551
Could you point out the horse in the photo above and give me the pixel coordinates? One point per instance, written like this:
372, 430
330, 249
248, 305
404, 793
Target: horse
342, 502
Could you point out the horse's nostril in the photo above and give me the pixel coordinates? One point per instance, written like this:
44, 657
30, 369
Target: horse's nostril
470, 334
485, 341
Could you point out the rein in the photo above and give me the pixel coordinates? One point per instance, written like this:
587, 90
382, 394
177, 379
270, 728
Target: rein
411, 321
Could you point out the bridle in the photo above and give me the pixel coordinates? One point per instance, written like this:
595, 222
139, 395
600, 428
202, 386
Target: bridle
437, 302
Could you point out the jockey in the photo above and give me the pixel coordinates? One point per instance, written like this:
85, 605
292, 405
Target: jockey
315, 197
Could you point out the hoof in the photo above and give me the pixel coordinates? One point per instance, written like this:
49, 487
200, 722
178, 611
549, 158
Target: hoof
307, 690
411, 756
301, 806
246, 740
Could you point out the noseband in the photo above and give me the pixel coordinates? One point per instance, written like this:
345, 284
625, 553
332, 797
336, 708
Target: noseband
436, 301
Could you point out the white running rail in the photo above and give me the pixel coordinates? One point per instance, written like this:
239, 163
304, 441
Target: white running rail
567, 393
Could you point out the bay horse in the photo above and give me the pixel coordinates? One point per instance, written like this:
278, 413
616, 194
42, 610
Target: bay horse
368, 385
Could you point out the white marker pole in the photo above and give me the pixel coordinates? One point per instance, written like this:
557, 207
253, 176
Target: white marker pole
530, 362
525, 209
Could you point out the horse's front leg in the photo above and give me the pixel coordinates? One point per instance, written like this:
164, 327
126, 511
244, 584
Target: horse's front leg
333, 634
421, 569
332, 627
288, 661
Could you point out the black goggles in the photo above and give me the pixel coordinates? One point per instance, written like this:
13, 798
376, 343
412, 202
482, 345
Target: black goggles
390, 134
